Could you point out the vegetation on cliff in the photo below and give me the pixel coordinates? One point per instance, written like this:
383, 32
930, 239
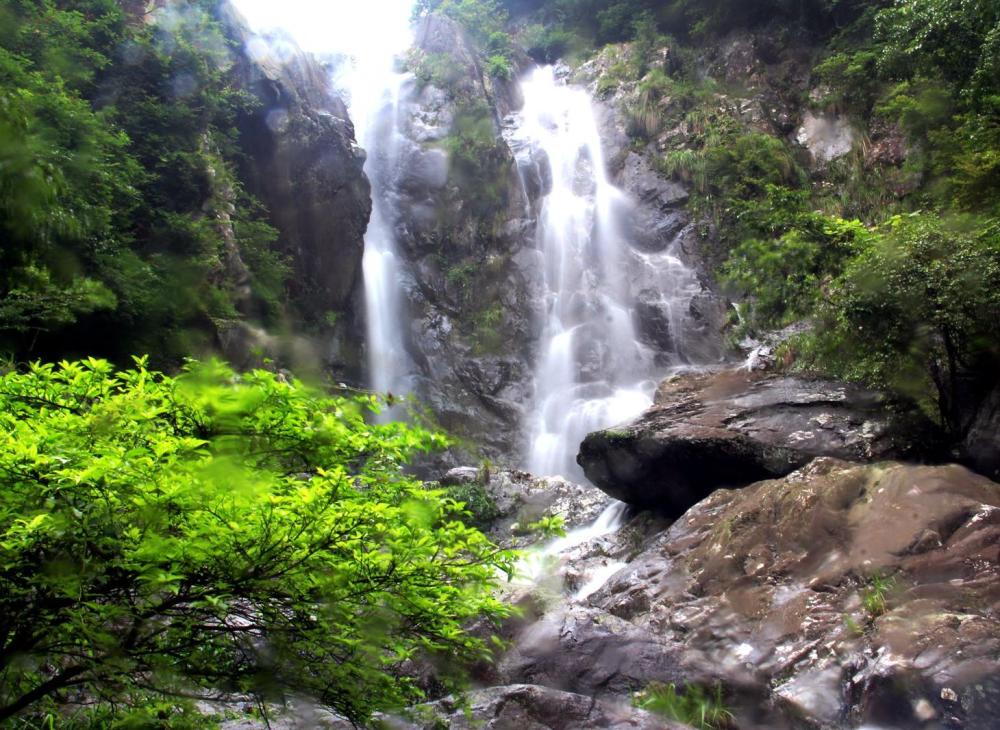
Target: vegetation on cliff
117, 145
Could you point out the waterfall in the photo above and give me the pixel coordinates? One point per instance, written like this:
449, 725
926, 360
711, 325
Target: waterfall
373, 88
592, 370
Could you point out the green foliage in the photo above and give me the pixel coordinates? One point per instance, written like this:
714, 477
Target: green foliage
116, 148
918, 106
915, 311
949, 37
966, 159
480, 509
485, 21
694, 705
477, 158
437, 69
221, 532
875, 596
499, 66
787, 275
851, 77
548, 527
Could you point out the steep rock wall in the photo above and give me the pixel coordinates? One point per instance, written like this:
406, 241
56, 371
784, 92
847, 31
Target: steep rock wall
301, 160
463, 231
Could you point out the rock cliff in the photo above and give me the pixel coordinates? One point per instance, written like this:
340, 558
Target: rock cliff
301, 160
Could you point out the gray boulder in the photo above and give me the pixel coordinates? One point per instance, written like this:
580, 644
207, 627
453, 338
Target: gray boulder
732, 427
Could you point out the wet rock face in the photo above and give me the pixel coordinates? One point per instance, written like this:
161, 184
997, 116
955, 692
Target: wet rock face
303, 163
708, 430
463, 234
590, 651
519, 499
533, 707
837, 596
527, 707
981, 448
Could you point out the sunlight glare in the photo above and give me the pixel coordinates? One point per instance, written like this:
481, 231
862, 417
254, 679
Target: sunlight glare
352, 27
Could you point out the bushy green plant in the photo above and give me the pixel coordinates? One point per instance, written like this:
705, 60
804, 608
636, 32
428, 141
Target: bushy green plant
694, 705
499, 66
786, 276
221, 532
915, 311
851, 77
480, 508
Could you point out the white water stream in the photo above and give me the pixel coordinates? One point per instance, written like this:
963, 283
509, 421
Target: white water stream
592, 370
540, 562
372, 87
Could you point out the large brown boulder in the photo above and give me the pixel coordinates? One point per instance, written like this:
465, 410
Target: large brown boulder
733, 427
838, 596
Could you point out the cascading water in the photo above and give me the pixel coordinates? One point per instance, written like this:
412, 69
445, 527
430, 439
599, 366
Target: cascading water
592, 371
372, 87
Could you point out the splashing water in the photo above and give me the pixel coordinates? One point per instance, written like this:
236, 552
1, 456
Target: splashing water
537, 562
592, 371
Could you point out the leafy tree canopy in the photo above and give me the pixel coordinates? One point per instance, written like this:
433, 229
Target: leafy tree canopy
117, 145
221, 533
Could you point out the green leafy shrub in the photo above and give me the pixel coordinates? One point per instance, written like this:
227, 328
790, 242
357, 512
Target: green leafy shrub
480, 508
787, 275
221, 532
477, 159
851, 77
915, 311
499, 66
946, 36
